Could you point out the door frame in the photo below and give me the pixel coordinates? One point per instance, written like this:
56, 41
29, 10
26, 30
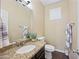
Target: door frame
77, 25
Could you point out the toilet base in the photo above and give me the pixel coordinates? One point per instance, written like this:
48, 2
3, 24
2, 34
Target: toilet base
48, 55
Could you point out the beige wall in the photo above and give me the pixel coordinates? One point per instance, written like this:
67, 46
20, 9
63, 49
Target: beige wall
17, 15
55, 30
38, 22
73, 19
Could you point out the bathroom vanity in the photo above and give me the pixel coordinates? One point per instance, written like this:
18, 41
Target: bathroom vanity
37, 53
40, 54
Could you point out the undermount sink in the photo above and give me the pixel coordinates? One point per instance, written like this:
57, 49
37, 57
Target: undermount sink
25, 49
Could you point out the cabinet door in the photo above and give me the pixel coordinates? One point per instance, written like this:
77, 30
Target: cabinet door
42, 56
33, 57
40, 52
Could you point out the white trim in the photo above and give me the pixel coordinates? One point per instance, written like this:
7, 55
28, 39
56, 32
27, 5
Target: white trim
77, 24
62, 51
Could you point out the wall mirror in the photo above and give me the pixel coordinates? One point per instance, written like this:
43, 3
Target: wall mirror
14, 15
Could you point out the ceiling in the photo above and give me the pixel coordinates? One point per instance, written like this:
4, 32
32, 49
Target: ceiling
46, 2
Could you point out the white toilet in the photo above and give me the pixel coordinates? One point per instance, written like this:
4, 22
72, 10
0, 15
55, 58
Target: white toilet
48, 51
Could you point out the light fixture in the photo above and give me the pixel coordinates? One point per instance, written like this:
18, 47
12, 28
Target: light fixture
27, 2
24, 3
19, 0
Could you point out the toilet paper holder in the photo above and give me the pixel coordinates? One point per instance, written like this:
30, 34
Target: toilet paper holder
76, 51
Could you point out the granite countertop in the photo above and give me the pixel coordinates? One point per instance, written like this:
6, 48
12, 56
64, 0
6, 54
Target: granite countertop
11, 53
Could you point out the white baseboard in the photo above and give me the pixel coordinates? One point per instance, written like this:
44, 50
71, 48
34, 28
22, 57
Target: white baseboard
62, 51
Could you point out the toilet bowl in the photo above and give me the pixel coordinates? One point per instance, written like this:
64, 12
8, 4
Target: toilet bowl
48, 51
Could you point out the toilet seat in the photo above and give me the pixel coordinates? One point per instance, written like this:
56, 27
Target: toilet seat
49, 48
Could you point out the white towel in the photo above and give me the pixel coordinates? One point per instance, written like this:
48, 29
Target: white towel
0, 34
69, 36
4, 17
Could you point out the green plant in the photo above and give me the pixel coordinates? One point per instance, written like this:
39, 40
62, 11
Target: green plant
31, 35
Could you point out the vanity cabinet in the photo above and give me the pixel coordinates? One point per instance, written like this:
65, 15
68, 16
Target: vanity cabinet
40, 54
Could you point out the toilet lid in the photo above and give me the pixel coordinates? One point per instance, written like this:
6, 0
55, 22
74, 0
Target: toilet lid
49, 48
